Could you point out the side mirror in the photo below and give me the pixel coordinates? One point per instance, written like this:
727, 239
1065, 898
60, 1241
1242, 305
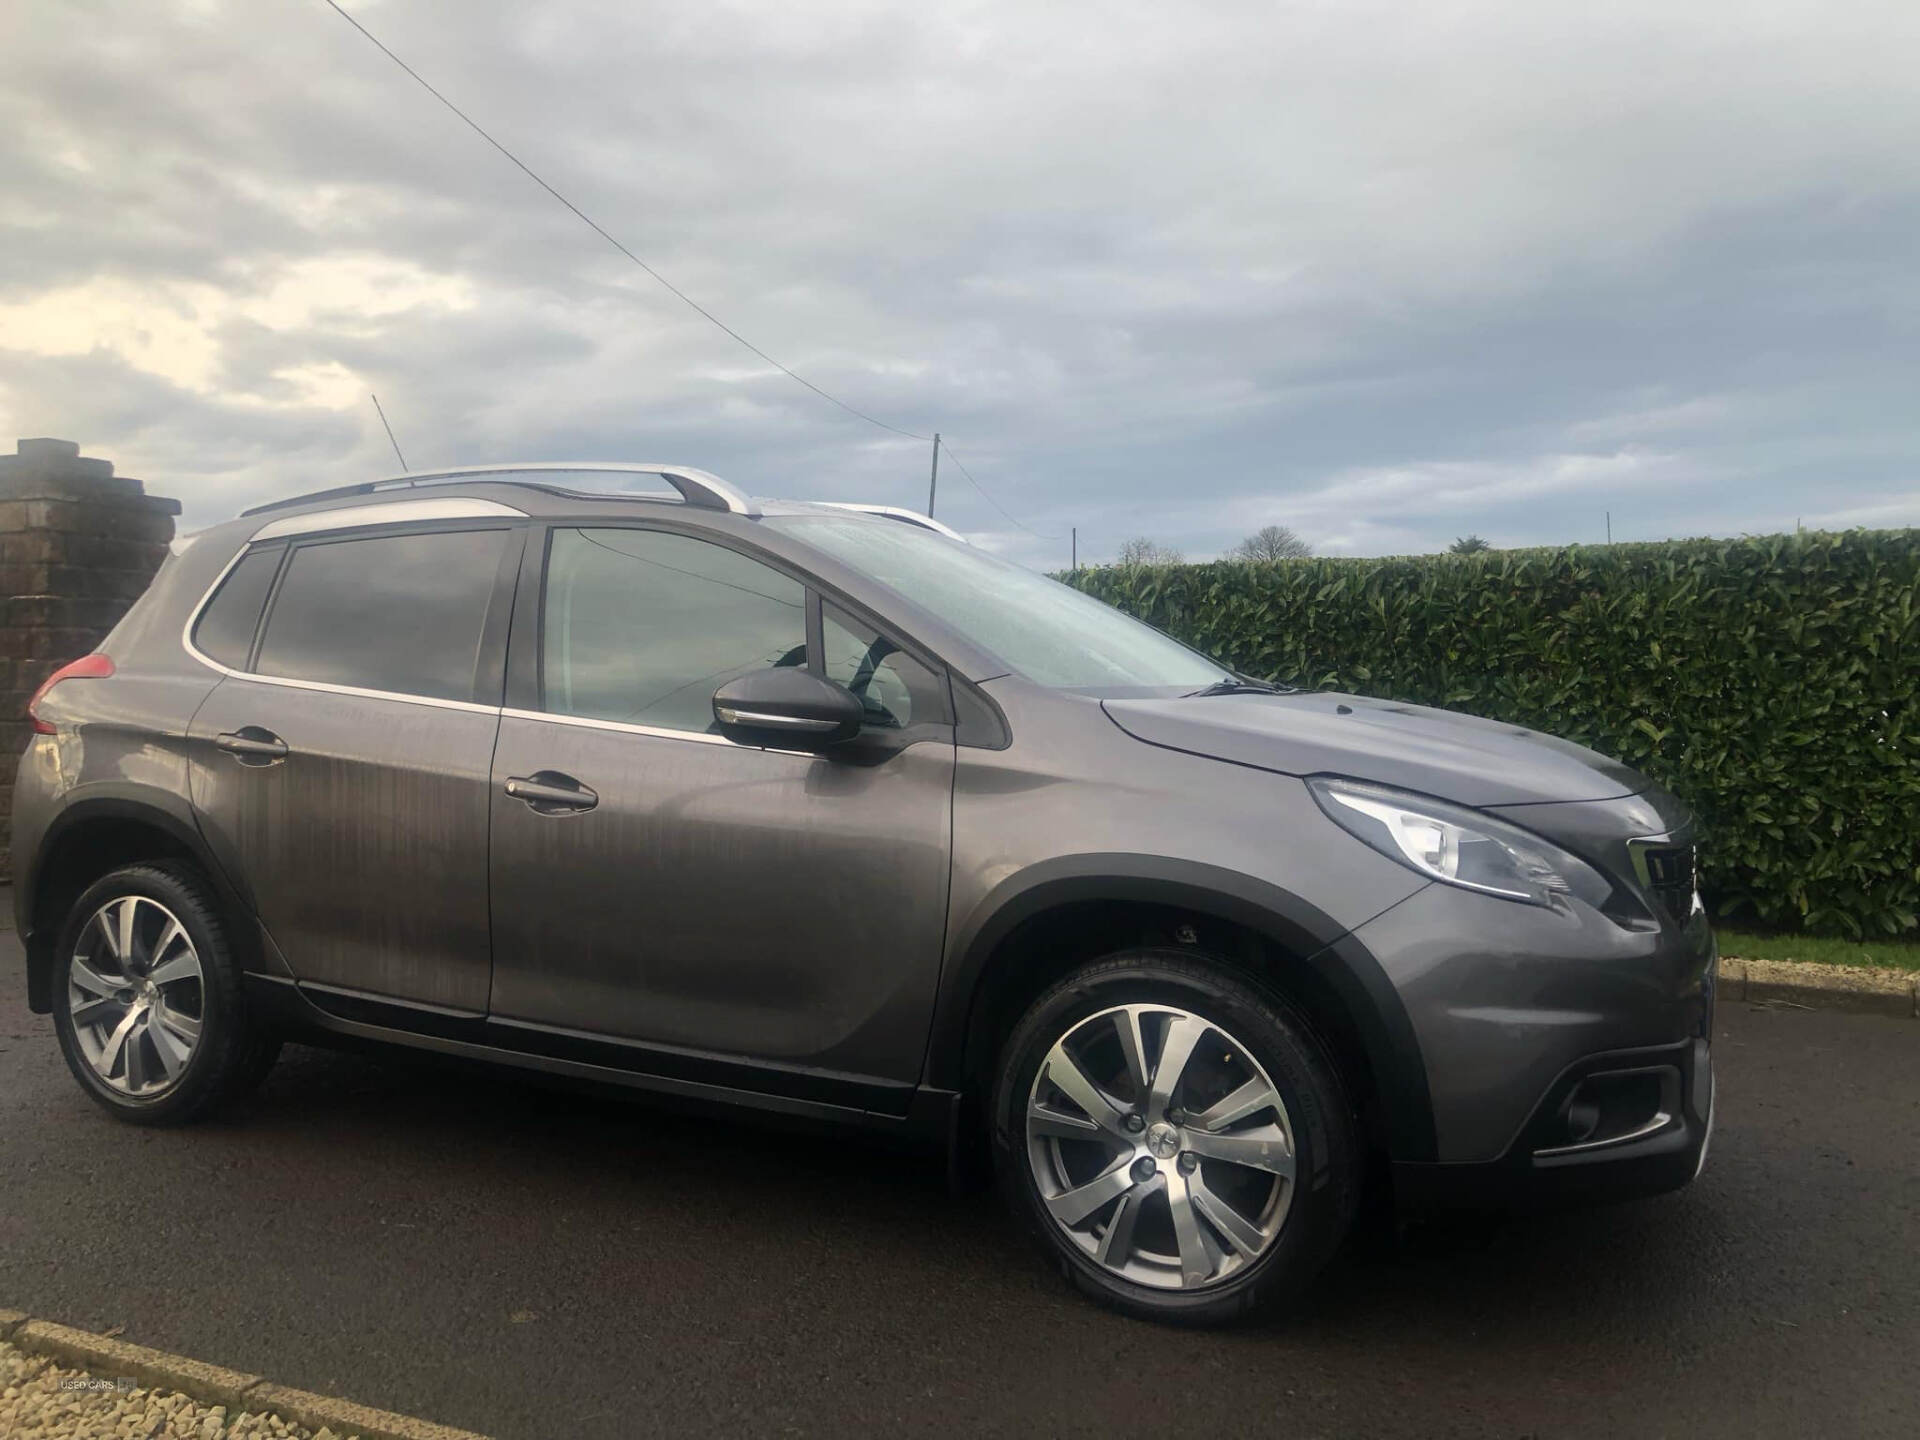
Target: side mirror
786, 707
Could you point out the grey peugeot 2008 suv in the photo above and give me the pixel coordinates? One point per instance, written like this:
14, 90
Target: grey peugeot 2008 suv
829, 813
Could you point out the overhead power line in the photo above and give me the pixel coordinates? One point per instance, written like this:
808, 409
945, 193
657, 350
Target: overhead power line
665, 283
599, 230
954, 460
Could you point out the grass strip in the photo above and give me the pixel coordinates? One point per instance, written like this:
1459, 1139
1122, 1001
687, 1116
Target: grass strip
1883, 954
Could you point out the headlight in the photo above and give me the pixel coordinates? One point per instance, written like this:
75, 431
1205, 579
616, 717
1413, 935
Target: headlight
1458, 846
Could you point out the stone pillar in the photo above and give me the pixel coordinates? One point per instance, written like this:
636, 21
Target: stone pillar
78, 544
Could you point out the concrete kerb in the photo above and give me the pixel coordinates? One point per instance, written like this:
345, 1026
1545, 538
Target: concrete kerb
212, 1384
1825, 987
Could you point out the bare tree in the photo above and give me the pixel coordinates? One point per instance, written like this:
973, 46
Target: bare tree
1142, 550
1272, 542
1468, 545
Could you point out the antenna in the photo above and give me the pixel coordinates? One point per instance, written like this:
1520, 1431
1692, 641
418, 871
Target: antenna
390, 440
933, 480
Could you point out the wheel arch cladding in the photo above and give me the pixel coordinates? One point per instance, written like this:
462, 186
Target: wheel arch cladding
1301, 951
91, 838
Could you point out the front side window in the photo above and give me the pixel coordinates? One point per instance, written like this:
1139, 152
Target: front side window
892, 687
402, 613
643, 626
1050, 633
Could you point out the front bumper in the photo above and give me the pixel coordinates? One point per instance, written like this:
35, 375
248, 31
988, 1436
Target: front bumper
1502, 999
1548, 1168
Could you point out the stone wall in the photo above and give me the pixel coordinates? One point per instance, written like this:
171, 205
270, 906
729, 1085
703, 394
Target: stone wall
77, 546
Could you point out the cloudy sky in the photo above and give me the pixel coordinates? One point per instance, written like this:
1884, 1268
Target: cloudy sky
1384, 273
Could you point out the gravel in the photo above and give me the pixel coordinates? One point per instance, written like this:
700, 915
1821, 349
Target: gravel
41, 1399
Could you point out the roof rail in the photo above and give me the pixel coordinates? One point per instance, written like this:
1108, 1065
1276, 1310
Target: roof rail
696, 487
895, 512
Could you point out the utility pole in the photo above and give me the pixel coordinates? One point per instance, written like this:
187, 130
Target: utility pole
933, 480
1076, 549
1609, 527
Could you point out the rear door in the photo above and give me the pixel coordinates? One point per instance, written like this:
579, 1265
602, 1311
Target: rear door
719, 912
341, 769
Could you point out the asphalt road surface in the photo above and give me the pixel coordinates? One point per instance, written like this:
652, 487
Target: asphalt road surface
523, 1262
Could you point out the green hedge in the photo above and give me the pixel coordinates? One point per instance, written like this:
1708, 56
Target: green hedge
1770, 682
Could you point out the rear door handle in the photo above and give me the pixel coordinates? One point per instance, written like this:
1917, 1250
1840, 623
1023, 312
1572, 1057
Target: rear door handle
548, 792
252, 745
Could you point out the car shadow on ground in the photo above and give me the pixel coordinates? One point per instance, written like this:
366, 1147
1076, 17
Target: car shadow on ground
538, 1154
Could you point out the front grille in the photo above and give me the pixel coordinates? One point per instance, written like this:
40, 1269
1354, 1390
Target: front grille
1669, 874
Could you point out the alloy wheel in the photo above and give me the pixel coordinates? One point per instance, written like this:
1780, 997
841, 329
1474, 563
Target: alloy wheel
136, 996
1160, 1146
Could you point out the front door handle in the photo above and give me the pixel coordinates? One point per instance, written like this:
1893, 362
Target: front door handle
548, 792
252, 745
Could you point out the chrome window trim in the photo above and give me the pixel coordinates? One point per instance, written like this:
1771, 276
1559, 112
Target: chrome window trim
321, 686
393, 512
193, 615
660, 732
360, 693
626, 727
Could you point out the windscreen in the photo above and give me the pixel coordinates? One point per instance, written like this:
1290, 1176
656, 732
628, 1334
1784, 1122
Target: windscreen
1048, 632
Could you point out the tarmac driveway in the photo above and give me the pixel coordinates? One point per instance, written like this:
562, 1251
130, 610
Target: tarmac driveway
474, 1249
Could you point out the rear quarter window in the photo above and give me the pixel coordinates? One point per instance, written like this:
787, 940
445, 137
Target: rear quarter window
226, 627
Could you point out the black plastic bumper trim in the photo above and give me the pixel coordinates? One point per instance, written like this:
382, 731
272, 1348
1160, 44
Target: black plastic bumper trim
1522, 1180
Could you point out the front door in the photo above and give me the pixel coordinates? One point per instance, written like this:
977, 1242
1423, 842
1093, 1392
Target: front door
342, 775
728, 914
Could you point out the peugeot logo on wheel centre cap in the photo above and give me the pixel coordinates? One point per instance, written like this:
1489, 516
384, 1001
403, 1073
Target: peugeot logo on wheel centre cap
1163, 1141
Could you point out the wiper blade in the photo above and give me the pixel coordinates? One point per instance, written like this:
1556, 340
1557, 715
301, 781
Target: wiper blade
1238, 685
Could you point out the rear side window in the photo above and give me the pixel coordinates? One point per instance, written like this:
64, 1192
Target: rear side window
225, 630
390, 612
644, 626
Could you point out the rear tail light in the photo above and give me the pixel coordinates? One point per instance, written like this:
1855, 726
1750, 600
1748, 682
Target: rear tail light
87, 667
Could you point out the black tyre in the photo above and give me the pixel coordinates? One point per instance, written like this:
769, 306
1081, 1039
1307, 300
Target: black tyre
147, 998
1178, 1140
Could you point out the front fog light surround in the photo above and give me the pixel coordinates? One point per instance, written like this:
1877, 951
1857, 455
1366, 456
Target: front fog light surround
1458, 846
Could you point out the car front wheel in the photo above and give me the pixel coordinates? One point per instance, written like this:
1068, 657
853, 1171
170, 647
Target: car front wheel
1178, 1140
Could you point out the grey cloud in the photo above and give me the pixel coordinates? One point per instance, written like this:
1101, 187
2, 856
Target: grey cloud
1171, 270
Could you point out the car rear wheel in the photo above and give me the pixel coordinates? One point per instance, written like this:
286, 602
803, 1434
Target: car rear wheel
148, 1004
1178, 1140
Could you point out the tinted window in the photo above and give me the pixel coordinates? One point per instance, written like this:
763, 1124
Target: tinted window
391, 612
643, 626
894, 688
225, 631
